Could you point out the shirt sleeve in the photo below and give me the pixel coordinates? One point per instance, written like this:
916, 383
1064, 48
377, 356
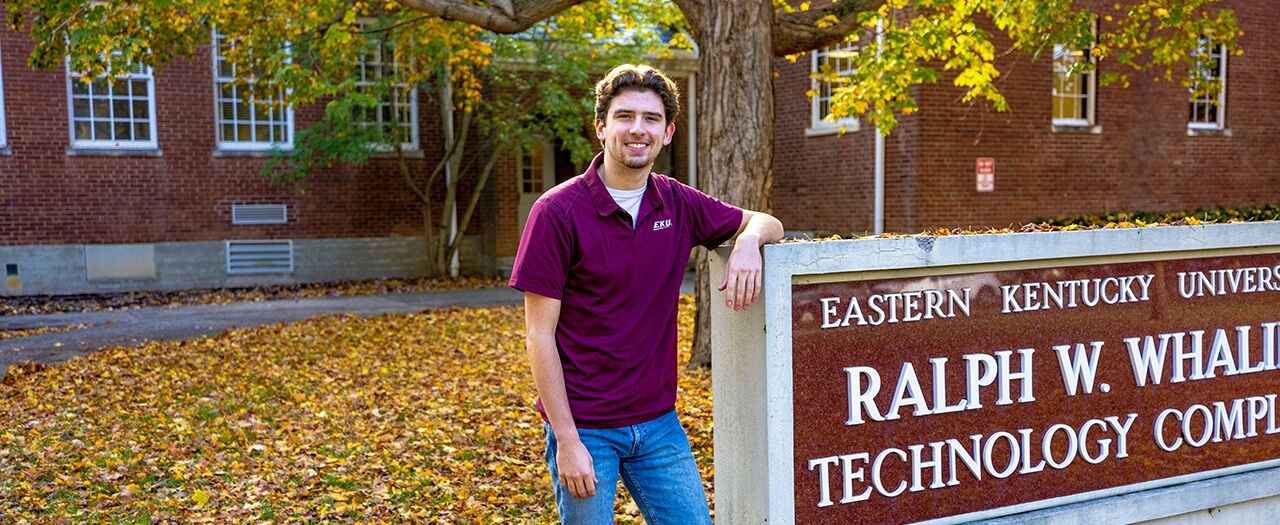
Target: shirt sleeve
545, 253
715, 221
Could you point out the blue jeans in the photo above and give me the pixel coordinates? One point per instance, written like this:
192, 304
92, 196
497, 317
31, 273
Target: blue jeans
656, 465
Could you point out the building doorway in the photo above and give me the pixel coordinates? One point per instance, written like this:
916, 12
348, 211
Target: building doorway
537, 175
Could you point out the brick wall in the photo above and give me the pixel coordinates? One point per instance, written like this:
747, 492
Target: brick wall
48, 196
1143, 159
186, 193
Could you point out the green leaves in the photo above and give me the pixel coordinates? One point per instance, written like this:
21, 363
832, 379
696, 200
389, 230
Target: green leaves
542, 78
921, 36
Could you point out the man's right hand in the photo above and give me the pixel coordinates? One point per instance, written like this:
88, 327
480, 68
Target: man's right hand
576, 468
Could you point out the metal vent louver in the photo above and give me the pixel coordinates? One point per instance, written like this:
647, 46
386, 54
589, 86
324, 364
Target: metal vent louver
259, 214
258, 257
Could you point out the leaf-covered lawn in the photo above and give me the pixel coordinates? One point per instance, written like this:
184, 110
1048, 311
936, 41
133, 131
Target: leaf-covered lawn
423, 418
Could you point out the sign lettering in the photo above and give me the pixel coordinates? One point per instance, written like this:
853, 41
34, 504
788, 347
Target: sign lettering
921, 398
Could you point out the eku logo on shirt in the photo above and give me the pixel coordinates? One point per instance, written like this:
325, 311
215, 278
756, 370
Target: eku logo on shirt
662, 224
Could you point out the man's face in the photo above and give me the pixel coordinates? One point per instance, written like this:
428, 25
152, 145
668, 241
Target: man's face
635, 128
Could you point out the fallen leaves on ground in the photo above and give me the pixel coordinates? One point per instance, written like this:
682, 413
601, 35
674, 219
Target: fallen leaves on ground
1269, 212
44, 304
14, 334
423, 418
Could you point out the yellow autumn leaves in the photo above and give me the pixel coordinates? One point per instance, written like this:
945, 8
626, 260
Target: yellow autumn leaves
423, 418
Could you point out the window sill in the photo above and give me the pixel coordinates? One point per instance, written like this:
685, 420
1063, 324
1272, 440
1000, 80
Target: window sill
1076, 128
5, 150
1208, 132
831, 130
408, 154
251, 153
114, 152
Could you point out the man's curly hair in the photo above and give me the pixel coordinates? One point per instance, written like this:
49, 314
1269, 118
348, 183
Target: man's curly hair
631, 77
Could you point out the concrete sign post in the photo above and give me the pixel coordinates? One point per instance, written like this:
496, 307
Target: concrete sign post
1044, 375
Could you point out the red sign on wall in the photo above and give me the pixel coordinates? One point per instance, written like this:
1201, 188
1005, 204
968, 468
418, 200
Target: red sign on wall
986, 171
923, 398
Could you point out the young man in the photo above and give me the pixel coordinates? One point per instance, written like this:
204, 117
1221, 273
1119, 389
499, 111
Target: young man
600, 265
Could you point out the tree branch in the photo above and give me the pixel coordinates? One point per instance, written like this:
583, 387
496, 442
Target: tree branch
505, 6
798, 32
501, 16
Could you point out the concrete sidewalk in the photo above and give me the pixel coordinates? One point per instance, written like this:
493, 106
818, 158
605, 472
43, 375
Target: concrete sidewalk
107, 329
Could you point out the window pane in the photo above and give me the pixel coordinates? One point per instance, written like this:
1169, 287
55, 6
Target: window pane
122, 131
80, 108
101, 108
101, 130
84, 130
120, 108
142, 131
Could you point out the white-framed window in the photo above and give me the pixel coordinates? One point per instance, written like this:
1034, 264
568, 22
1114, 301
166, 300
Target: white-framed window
243, 123
1074, 89
1209, 109
397, 108
830, 60
534, 167
114, 113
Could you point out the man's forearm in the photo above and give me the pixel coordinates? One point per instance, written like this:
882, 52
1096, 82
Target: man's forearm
573, 461
548, 378
761, 228
542, 314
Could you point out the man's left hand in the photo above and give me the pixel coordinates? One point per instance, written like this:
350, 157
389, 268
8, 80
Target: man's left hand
743, 274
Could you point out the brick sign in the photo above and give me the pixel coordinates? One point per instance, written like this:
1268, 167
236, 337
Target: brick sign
923, 398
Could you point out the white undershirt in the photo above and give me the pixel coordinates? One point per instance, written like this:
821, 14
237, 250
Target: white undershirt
629, 200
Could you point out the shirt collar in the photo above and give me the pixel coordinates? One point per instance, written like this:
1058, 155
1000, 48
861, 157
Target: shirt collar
604, 203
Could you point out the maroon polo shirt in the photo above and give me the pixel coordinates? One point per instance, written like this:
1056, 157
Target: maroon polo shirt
619, 288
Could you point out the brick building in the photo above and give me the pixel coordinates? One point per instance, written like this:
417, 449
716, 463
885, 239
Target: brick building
166, 191
156, 183
1067, 147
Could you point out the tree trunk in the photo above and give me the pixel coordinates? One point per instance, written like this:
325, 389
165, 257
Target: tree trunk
455, 143
735, 119
481, 181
